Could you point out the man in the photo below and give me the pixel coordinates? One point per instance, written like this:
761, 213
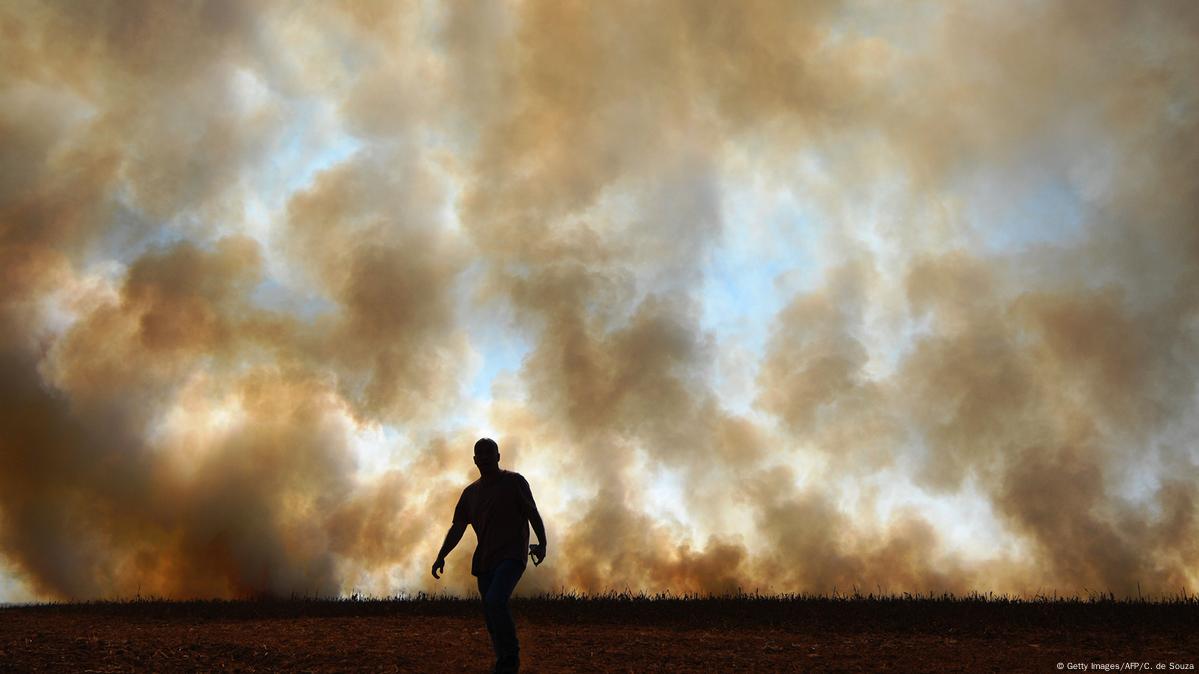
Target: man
500, 508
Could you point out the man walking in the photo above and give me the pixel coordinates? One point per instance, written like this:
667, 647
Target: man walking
500, 507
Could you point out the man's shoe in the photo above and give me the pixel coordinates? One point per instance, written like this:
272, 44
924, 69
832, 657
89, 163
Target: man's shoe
509, 664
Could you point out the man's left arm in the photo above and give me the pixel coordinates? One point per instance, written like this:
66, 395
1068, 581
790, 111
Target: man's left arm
529, 508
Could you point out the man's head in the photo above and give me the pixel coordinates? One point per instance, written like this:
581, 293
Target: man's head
487, 455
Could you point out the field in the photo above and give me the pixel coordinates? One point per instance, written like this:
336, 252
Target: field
609, 633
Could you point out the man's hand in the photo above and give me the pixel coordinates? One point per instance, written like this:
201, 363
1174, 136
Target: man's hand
537, 552
439, 567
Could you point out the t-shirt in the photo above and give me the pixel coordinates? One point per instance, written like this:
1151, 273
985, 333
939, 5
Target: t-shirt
498, 507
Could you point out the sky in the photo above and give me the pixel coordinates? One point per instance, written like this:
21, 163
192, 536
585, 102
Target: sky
774, 296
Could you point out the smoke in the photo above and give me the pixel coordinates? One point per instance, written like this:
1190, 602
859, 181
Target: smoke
760, 296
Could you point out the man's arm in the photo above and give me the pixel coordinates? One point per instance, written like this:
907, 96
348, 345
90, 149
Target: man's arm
529, 506
451, 541
537, 551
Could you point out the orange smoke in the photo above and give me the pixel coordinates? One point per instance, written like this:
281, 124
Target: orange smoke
255, 259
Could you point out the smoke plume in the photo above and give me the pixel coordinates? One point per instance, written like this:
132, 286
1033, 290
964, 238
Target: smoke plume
766, 295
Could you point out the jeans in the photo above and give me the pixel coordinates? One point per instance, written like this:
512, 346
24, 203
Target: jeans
496, 587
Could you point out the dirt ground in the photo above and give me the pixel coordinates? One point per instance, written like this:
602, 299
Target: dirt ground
580, 637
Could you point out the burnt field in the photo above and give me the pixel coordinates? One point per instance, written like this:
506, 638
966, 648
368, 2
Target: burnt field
616, 632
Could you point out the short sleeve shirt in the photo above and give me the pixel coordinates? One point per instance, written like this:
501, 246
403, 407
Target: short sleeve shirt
498, 507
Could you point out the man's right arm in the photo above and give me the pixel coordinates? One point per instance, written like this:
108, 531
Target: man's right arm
461, 518
451, 541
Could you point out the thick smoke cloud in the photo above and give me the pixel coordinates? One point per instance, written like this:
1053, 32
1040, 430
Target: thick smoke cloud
257, 259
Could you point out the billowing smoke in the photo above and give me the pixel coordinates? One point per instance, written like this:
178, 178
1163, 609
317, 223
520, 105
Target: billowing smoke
778, 296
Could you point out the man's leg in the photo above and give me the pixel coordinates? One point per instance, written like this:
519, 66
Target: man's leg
495, 602
485, 581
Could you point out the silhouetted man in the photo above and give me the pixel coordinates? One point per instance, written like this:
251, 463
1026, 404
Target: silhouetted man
500, 508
